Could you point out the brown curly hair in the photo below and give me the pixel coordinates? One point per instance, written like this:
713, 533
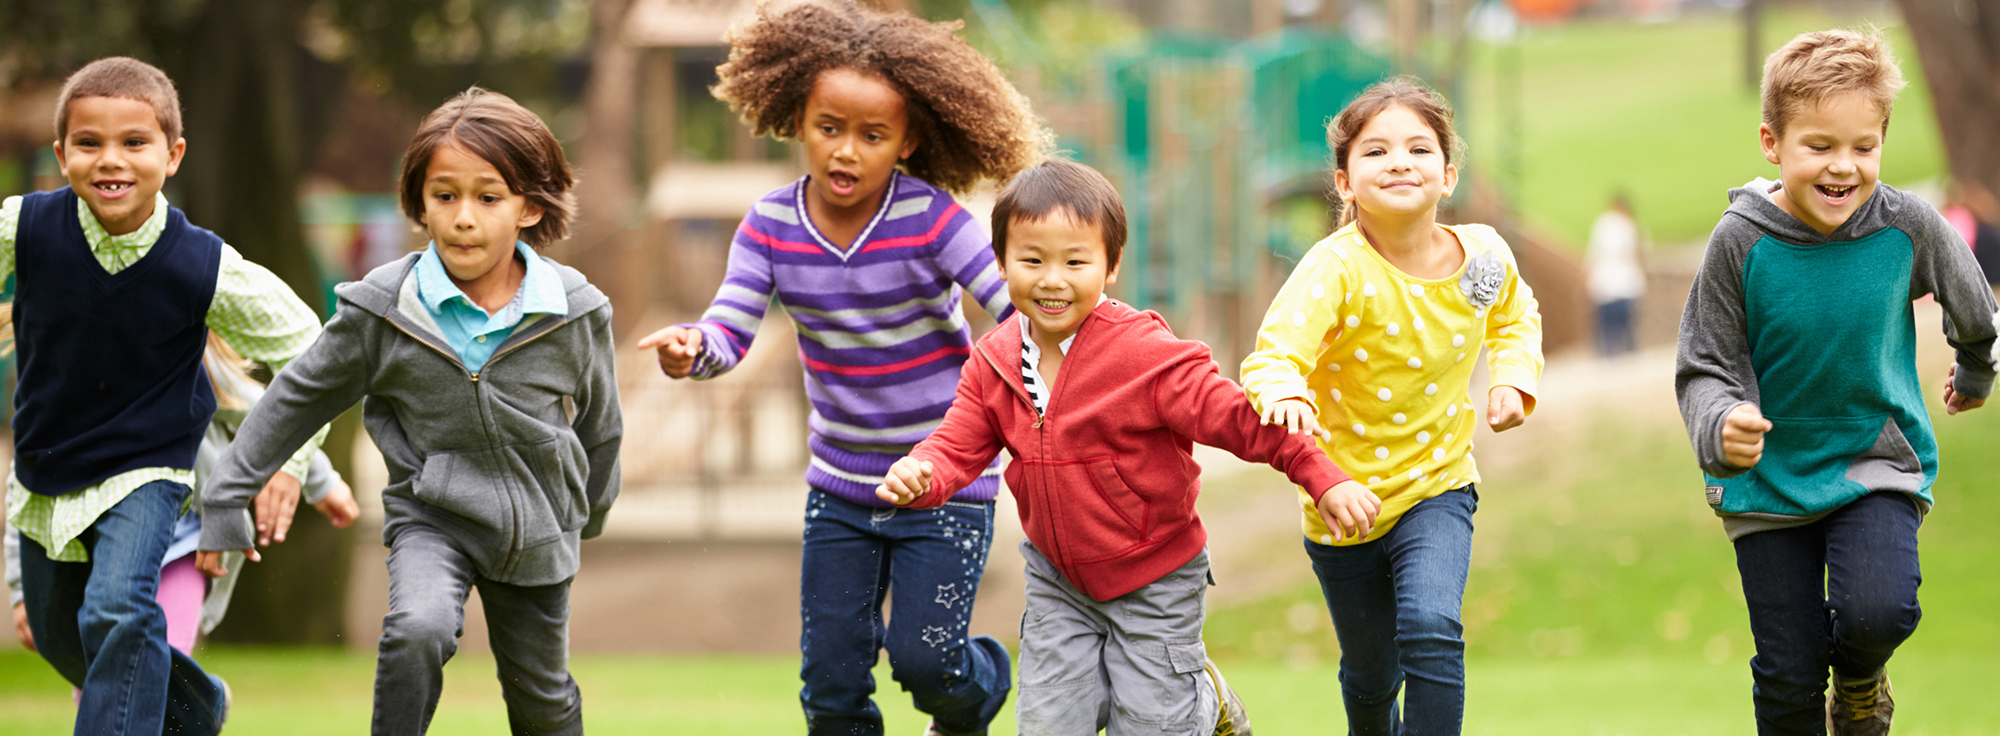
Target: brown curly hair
969, 122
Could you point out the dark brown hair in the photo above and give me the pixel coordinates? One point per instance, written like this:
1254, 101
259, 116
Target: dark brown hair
124, 78
1405, 91
514, 140
1060, 185
968, 121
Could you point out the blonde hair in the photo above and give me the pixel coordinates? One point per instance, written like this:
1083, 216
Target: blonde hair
1818, 65
219, 358
1404, 91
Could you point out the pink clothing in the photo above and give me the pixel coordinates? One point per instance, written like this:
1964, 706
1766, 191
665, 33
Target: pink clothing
1961, 219
182, 589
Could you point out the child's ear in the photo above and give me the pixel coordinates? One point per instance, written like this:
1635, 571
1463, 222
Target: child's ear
1768, 139
909, 147
531, 213
60, 163
174, 154
1450, 178
1342, 186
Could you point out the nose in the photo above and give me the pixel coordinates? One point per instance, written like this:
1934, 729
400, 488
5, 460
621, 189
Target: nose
844, 151
1842, 163
462, 217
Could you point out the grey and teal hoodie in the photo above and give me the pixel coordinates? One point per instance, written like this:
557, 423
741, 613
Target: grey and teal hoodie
516, 463
1818, 332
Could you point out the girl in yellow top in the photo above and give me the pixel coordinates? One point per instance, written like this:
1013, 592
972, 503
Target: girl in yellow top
1371, 346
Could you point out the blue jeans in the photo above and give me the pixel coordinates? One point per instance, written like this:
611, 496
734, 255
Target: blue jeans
930, 560
1395, 604
1840, 592
98, 624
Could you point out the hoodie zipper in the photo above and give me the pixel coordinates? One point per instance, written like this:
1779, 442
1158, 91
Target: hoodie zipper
1041, 435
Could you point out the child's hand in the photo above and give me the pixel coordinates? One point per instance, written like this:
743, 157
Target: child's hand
339, 506
1349, 510
906, 480
1743, 436
21, 629
1505, 409
1296, 416
275, 506
210, 563
677, 346
1955, 402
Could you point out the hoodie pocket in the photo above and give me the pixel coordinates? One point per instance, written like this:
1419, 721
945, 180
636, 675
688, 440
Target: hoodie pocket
1096, 515
523, 492
1806, 462
457, 483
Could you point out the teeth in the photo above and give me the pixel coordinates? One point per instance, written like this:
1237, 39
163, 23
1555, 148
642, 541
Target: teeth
1052, 303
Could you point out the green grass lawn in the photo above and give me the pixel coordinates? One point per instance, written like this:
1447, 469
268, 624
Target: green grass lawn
1660, 110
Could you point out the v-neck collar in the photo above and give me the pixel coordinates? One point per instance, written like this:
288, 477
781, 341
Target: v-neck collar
153, 232
805, 216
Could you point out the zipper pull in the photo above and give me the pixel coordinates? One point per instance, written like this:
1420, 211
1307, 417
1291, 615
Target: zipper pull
1038, 420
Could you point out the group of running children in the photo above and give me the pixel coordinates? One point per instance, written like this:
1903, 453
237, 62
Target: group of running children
485, 372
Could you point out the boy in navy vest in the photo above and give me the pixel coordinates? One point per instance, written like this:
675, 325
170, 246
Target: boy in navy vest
115, 297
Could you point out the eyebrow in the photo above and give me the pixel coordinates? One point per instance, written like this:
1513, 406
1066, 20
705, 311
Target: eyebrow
1414, 139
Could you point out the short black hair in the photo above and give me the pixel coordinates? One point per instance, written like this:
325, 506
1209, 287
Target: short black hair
1061, 185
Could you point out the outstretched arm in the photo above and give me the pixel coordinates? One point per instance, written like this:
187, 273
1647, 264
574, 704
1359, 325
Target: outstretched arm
713, 345
961, 448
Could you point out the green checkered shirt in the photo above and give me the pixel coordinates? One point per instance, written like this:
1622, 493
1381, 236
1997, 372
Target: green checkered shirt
253, 311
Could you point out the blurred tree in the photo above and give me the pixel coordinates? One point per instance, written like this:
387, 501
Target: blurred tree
1959, 44
261, 82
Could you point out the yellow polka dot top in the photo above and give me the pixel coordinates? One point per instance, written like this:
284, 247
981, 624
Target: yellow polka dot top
1386, 361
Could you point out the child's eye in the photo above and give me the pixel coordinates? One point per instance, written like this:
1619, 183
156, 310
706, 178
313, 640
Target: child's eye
874, 137
490, 198
443, 196
826, 129
1374, 152
1420, 150
1820, 149
134, 142
1864, 149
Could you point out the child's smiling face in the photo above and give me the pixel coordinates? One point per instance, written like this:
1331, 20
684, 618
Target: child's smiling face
116, 157
1828, 159
1396, 166
855, 130
1056, 267
472, 215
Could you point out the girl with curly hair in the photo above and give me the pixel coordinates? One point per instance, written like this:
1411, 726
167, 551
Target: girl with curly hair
868, 254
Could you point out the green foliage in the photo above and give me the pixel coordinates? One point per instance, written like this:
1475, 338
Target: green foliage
1660, 110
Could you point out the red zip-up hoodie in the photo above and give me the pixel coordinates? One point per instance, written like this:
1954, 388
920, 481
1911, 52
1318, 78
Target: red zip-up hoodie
1106, 479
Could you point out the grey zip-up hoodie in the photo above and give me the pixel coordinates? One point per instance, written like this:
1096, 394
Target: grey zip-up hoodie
516, 463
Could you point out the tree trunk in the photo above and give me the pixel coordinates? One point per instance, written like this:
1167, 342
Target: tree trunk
255, 106
607, 191
1959, 44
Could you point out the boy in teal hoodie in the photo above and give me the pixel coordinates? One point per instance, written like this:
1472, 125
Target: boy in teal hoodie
1797, 380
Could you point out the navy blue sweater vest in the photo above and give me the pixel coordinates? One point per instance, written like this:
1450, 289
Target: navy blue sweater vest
110, 364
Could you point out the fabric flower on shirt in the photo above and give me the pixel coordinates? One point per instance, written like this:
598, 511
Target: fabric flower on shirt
1482, 279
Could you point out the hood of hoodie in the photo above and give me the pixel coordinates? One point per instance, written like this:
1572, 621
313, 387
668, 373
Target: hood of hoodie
1752, 202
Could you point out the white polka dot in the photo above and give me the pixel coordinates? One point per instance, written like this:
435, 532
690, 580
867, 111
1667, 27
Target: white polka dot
1373, 479
1416, 291
1415, 363
1399, 418
1359, 430
1505, 330
1342, 252
1468, 406
1326, 539
1451, 411
1447, 437
1335, 367
1361, 355
1368, 289
1417, 322
1353, 321
1307, 262
1298, 319
1318, 291
1458, 341
1438, 454
1336, 394
1392, 329
1416, 474
1349, 299
1461, 356
1502, 354
1383, 394
1480, 312
1381, 453
1430, 389
1424, 437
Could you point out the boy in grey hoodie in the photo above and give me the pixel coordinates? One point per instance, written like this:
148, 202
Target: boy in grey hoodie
1797, 381
486, 371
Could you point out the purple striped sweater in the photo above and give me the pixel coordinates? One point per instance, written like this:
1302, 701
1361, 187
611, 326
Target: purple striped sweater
879, 325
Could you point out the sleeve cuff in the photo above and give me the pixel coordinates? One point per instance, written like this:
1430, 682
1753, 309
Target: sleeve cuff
226, 528
1711, 457
1972, 381
318, 479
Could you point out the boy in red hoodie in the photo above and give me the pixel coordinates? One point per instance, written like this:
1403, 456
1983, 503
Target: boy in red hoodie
1100, 406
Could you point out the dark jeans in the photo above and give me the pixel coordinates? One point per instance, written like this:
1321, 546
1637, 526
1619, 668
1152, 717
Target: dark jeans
1840, 592
99, 624
1395, 604
528, 628
1615, 331
930, 560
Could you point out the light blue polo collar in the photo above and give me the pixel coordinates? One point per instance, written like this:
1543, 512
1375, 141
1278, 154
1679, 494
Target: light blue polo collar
541, 290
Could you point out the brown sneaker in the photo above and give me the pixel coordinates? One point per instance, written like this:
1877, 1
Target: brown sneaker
1232, 719
1860, 707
